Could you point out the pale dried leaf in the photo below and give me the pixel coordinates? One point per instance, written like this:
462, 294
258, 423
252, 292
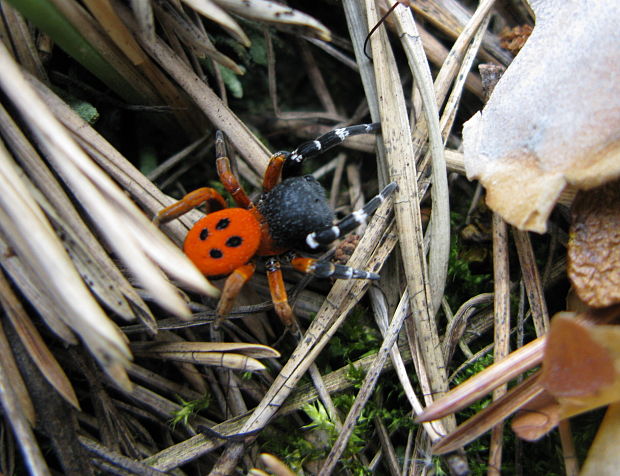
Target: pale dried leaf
554, 116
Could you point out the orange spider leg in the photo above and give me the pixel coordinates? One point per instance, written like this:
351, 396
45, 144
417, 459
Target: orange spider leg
232, 287
278, 293
274, 169
303, 265
190, 201
226, 175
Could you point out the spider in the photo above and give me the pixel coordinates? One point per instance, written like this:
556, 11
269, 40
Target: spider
291, 214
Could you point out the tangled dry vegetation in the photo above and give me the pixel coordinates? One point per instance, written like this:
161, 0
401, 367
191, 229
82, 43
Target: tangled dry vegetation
108, 360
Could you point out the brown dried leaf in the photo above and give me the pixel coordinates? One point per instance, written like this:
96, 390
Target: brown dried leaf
554, 116
513, 39
594, 246
574, 364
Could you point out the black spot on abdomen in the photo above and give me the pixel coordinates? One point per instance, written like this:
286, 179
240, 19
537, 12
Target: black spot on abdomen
234, 241
222, 224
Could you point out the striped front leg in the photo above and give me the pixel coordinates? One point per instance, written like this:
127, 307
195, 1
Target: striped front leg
349, 223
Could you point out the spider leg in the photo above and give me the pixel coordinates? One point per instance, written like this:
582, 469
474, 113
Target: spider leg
272, 174
278, 292
190, 201
232, 287
327, 235
226, 175
327, 269
312, 148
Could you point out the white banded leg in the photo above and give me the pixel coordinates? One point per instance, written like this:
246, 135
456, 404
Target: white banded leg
327, 235
319, 145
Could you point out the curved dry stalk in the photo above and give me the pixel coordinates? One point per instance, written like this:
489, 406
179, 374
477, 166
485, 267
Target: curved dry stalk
217, 359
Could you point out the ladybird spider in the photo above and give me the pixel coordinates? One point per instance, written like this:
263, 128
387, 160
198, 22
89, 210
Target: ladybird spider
292, 213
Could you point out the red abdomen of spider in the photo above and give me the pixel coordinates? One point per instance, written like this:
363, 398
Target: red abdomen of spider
222, 241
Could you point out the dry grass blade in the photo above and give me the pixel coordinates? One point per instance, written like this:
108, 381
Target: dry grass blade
397, 140
278, 14
531, 279
276, 466
11, 406
440, 216
258, 351
435, 429
34, 344
143, 11
238, 356
28, 282
12, 373
23, 41
501, 325
19, 217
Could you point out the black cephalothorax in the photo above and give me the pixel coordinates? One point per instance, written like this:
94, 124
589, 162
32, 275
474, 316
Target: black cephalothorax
295, 208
